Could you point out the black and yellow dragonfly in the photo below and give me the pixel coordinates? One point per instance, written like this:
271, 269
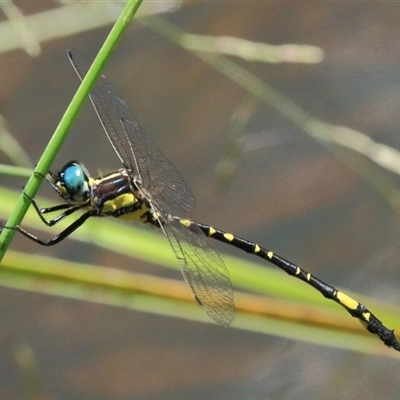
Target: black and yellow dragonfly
148, 189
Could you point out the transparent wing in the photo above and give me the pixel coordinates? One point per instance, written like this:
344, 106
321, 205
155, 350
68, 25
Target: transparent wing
167, 193
203, 270
153, 172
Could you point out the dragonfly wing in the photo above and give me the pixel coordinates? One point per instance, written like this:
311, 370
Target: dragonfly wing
102, 97
154, 174
203, 270
161, 183
168, 194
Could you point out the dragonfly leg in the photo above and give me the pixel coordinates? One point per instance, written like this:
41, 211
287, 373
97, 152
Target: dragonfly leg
61, 236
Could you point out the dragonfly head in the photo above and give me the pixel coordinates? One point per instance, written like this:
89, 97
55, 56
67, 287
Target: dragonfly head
73, 182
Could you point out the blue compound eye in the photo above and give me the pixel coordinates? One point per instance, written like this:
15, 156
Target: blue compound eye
74, 179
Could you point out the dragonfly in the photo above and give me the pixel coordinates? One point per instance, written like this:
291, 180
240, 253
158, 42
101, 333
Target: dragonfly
148, 189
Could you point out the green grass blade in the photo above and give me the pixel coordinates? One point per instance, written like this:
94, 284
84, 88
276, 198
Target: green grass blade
173, 298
